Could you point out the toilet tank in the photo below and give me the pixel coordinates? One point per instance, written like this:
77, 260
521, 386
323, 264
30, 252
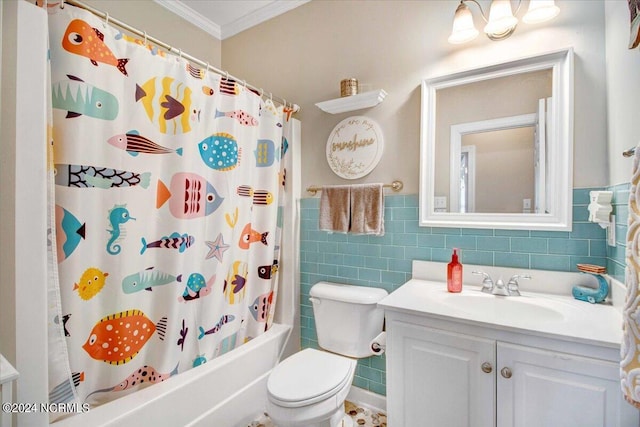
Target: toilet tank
347, 317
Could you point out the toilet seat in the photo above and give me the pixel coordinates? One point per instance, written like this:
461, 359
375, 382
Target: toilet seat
308, 377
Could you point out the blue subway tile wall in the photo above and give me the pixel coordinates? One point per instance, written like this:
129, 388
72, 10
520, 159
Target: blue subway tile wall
385, 261
616, 254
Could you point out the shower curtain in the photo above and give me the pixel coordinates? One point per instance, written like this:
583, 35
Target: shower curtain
167, 183
629, 348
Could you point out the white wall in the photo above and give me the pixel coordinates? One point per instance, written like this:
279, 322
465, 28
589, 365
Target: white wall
303, 54
623, 90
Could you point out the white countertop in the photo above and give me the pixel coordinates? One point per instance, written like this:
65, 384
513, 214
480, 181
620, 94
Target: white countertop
599, 324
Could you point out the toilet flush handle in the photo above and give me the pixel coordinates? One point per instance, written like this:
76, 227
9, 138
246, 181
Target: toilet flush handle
314, 300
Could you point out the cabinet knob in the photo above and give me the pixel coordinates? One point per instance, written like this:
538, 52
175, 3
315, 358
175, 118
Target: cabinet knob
486, 367
506, 372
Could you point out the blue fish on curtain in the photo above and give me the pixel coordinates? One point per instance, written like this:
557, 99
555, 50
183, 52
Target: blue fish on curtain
166, 231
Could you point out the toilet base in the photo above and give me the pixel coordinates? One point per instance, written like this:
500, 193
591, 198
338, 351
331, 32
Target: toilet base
338, 419
347, 421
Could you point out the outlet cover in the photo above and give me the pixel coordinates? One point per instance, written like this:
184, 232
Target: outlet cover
440, 202
611, 231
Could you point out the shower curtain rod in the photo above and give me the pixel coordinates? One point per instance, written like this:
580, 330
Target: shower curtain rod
294, 107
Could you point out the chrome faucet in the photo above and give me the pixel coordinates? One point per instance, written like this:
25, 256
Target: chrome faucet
513, 287
499, 288
487, 283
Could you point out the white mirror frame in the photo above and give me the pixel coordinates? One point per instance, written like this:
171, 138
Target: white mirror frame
560, 194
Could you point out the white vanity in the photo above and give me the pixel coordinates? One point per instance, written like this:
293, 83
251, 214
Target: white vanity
480, 360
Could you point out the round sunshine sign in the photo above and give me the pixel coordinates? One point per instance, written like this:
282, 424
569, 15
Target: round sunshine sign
354, 147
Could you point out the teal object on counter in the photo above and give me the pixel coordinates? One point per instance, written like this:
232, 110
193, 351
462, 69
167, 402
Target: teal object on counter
592, 295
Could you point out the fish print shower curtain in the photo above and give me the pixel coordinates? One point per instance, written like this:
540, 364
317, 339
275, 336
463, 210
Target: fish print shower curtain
167, 186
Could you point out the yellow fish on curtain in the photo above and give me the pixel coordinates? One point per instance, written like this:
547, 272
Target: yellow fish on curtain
167, 202
629, 349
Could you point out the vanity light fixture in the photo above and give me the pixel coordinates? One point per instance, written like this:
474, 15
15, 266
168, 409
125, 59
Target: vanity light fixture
502, 22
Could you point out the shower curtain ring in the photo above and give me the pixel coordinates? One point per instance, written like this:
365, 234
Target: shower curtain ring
206, 70
180, 54
106, 20
270, 96
261, 92
145, 38
226, 76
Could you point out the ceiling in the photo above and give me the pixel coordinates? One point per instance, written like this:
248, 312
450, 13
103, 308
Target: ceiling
225, 18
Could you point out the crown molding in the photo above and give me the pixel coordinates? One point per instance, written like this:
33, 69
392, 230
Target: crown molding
259, 16
252, 19
192, 16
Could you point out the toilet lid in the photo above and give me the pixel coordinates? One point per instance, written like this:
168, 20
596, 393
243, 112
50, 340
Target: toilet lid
309, 376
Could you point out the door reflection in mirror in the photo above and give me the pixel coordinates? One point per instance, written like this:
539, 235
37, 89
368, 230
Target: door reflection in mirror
502, 115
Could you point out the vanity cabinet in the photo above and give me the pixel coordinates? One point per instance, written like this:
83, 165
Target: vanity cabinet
445, 373
434, 378
547, 388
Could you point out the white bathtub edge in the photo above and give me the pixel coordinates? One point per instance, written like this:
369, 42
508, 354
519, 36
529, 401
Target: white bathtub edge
366, 398
186, 398
237, 403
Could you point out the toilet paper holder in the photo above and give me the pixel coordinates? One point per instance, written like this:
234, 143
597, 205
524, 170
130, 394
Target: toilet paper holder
379, 344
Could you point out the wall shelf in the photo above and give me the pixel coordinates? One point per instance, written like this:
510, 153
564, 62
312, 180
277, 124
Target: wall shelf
352, 103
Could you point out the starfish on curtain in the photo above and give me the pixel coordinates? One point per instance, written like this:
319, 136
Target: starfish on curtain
216, 248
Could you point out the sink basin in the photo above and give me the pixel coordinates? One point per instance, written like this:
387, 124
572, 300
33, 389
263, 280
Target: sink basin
536, 313
522, 307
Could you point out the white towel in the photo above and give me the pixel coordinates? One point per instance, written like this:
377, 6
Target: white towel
335, 211
367, 209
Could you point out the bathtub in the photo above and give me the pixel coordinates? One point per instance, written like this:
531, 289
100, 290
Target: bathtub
228, 391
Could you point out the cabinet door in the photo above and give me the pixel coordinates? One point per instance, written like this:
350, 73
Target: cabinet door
435, 378
552, 389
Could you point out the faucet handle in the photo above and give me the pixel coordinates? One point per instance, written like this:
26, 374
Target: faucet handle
513, 286
487, 283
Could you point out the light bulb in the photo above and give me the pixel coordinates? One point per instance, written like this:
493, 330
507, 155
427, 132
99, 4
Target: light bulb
501, 20
463, 28
541, 11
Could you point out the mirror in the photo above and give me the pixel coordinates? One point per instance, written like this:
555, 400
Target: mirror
496, 146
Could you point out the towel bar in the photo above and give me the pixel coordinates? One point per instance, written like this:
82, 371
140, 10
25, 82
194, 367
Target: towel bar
395, 186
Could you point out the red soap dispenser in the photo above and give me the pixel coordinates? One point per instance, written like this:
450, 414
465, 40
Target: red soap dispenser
454, 273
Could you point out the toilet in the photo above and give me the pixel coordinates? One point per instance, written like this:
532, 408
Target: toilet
309, 388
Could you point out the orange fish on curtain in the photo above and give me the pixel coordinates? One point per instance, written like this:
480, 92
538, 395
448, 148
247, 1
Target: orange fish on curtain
119, 337
85, 40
